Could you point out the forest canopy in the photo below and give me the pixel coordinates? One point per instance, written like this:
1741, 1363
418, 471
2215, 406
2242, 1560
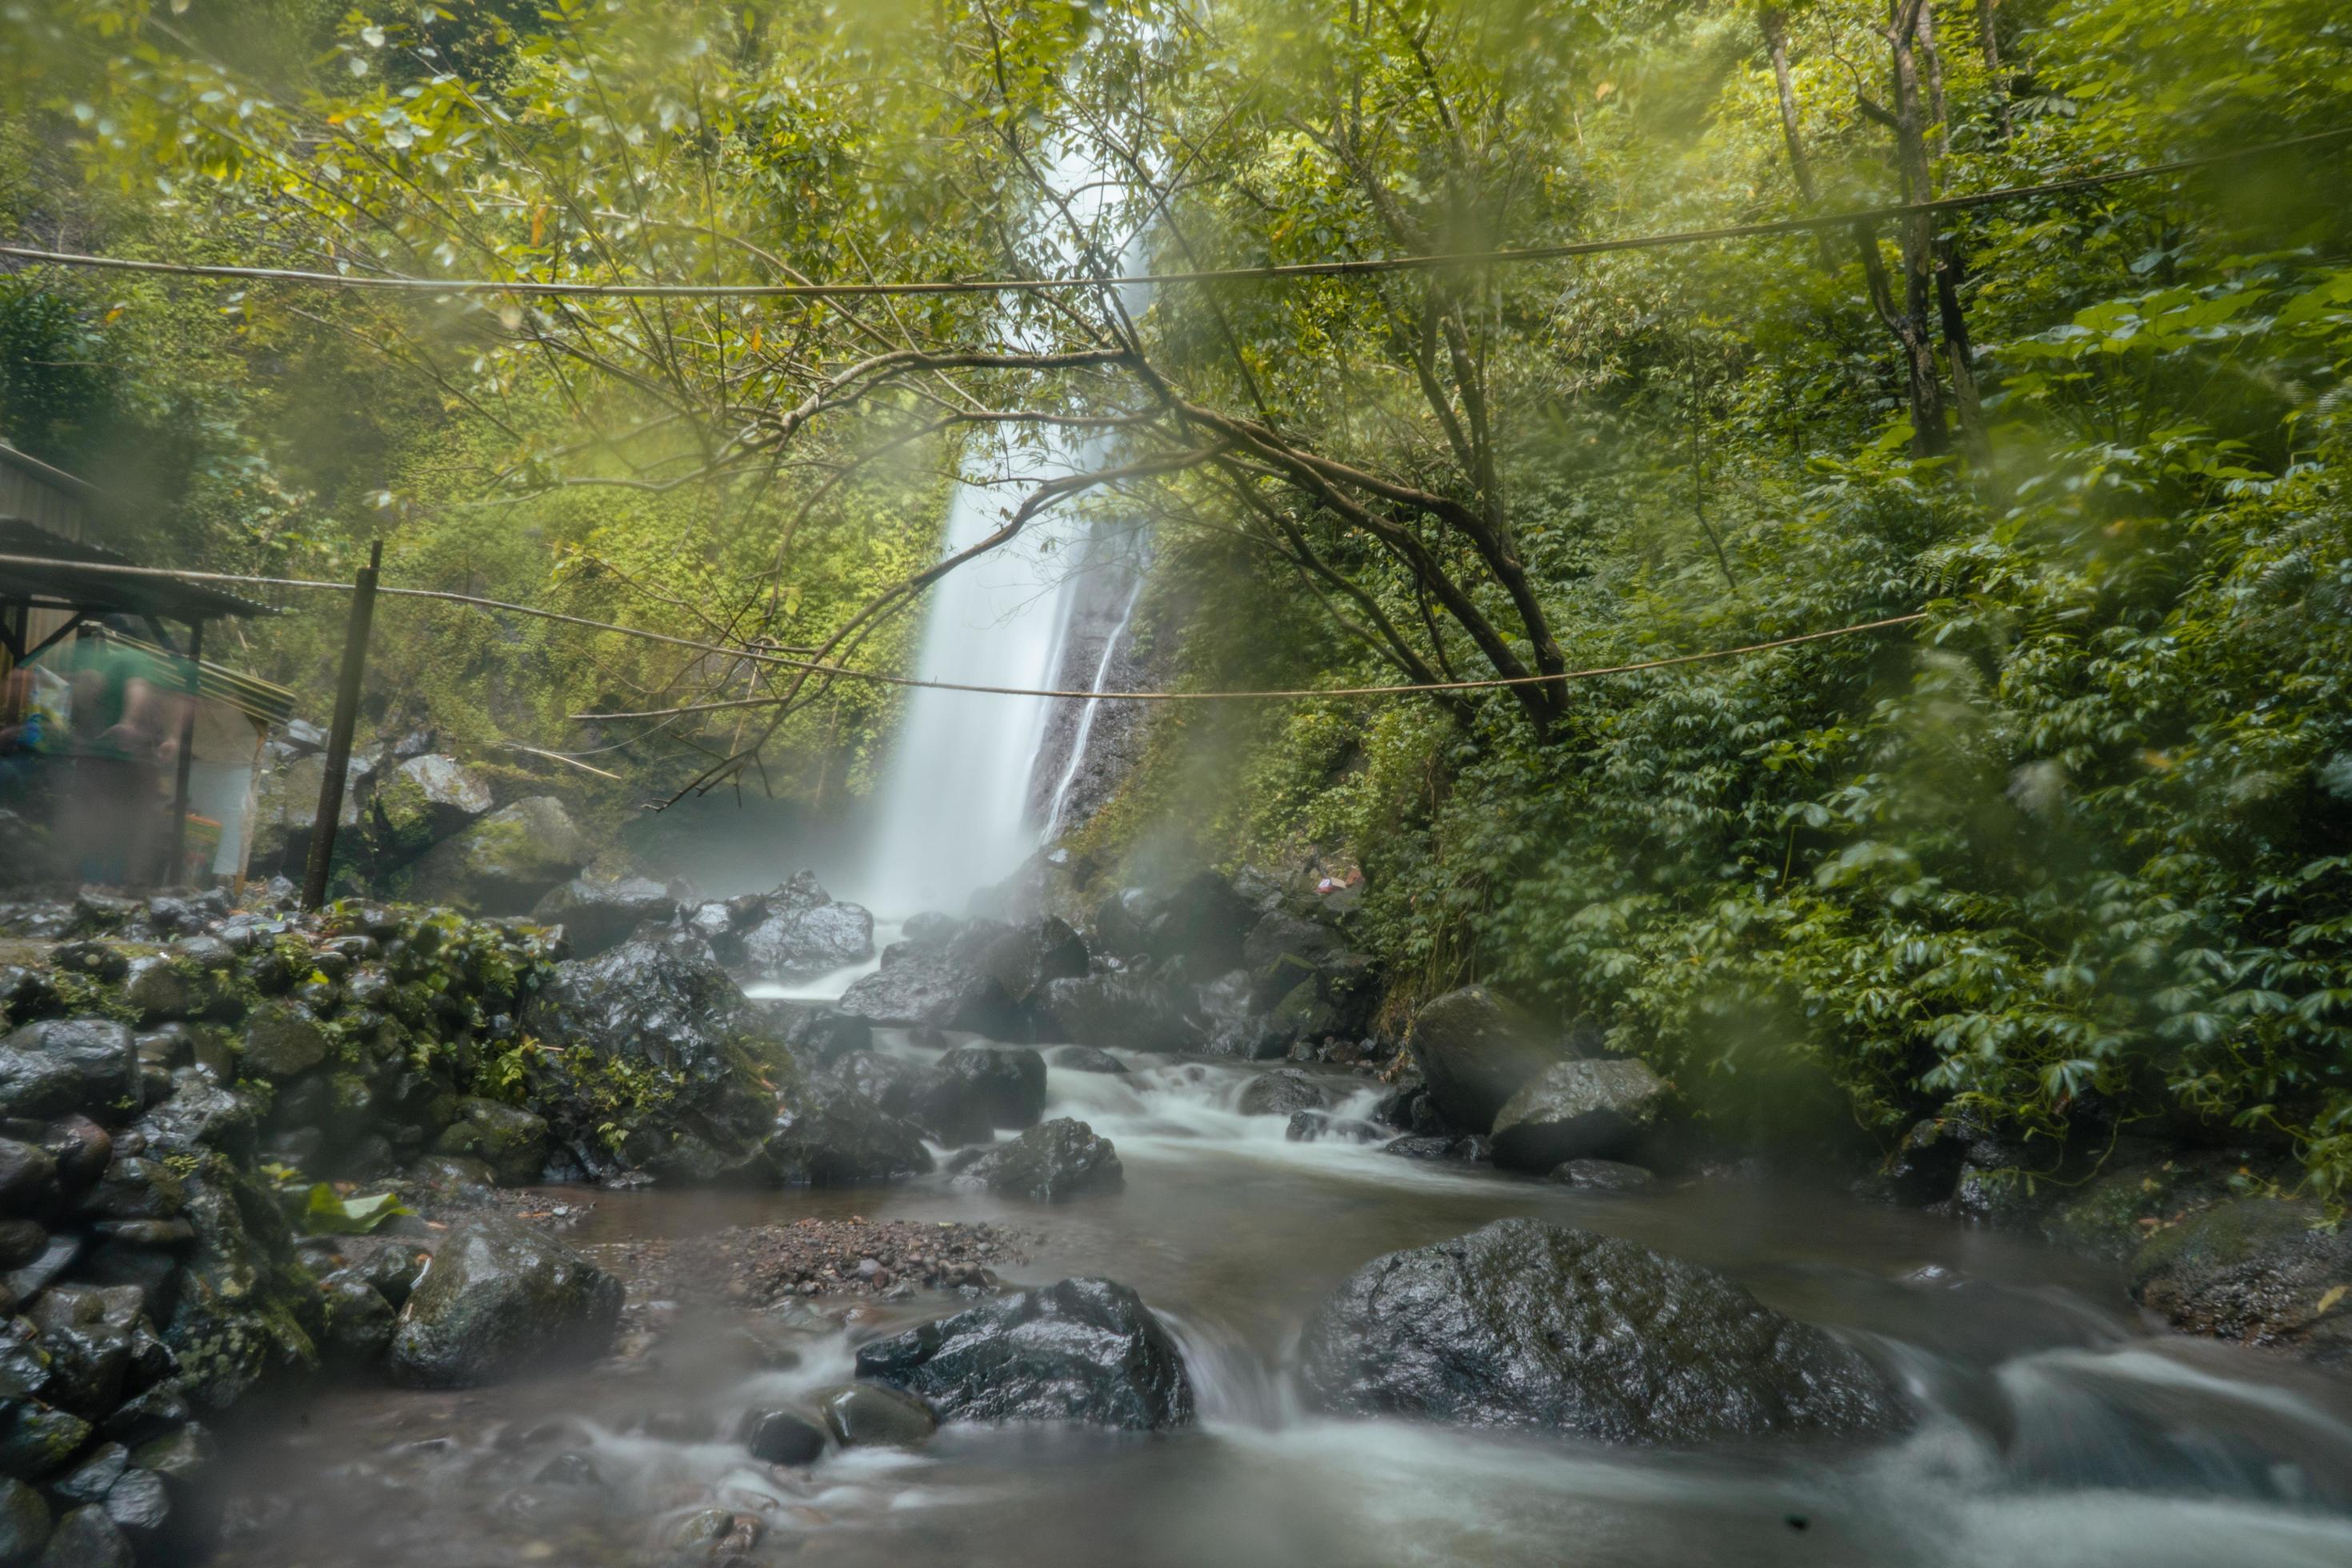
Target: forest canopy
2070, 852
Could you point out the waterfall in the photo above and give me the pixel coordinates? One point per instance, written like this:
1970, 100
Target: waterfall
955, 809
1059, 806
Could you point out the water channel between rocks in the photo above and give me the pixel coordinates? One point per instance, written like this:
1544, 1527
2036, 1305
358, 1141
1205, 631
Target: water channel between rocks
2055, 1426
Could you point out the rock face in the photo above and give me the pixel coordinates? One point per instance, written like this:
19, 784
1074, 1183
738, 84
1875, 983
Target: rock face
1474, 1051
501, 1298
658, 1011
596, 915
1052, 1162
1082, 1350
922, 987
2254, 1270
801, 932
1528, 1324
505, 863
1578, 1110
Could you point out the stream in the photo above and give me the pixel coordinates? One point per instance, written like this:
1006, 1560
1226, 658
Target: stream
2055, 1427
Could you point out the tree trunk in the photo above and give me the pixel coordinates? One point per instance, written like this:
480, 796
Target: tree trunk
1988, 25
1776, 36
1933, 61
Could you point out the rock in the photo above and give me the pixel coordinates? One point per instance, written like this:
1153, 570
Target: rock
599, 915
1468, 1147
827, 1035
505, 863
424, 800
140, 1507
1528, 1324
1601, 1176
360, 1321
282, 1038
93, 1475
161, 991
1085, 1058
781, 1437
1052, 1162
658, 1026
870, 1416
1121, 1010
2253, 1271
37, 1440
86, 1538
500, 1299
828, 1135
1023, 958
804, 933
456, 1174
569, 1469
24, 1524
1474, 1051
199, 1111
1280, 1094
507, 1138
1003, 1086
935, 989
1203, 924
1082, 1350
28, 1177
1578, 1110
21, 1241
61, 1065
1313, 1126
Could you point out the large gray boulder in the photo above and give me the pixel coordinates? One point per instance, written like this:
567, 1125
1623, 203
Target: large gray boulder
1083, 1349
1121, 1010
1050, 1162
68, 1064
826, 1134
424, 800
505, 863
2256, 1271
657, 1023
928, 987
1532, 1325
1580, 1110
500, 1299
801, 931
599, 913
1474, 1051
997, 1086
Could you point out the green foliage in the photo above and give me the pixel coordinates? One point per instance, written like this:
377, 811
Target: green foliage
325, 1212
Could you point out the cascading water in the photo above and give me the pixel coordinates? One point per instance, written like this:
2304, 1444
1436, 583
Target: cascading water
955, 811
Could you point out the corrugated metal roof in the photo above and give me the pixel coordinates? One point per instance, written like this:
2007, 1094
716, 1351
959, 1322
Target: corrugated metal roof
164, 598
248, 694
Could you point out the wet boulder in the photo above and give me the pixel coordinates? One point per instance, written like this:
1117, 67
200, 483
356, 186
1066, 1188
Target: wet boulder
2253, 1271
422, 801
781, 1437
1282, 1092
1052, 1162
1531, 1325
24, 1524
501, 1298
870, 1416
86, 1537
1122, 1010
826, 1034
1202, 923
505, 863
1474, 1051
998, 1086
1578, 1110
925, 987
1085, 1058
510, 1141
800, 931
825, 1134
597, 914
1085, 1350
61, 1065
282, 1038
1023, 958
658, 1022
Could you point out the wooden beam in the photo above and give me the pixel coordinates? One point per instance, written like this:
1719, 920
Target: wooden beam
176, 841
339, 737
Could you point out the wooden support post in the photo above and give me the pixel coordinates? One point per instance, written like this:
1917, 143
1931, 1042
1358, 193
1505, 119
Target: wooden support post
176, 841
339, 737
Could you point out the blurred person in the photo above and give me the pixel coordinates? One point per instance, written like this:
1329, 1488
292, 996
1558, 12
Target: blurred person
122, 733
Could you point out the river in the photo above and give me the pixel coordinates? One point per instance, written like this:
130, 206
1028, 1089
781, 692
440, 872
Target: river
2055, 1427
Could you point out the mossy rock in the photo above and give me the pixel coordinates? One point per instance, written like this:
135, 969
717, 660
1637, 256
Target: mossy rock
283, 1039
510, 1141
2259, 1272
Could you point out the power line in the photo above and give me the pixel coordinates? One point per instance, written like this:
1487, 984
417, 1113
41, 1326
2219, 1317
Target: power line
877, 677
538, 289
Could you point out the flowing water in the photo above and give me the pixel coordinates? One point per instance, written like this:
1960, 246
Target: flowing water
2054, 1426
